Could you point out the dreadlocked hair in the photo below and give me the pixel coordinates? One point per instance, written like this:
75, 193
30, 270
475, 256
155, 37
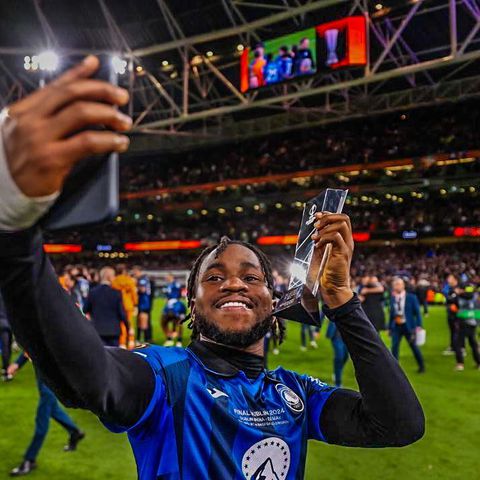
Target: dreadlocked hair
277, 329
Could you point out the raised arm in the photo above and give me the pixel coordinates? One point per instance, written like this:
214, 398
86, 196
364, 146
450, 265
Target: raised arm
386, 411
39, 145
115, 384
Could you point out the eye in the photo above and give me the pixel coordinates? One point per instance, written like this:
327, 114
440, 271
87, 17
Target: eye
214, 278
252, 278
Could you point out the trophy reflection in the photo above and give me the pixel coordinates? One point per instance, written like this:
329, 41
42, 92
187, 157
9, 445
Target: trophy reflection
300, 302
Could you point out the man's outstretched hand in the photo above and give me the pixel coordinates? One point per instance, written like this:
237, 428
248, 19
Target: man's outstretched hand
47, 132
335, 229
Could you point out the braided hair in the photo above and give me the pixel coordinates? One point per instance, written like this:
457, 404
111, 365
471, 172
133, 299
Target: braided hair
277, 329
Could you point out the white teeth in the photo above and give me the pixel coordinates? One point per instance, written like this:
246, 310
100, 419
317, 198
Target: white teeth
234, 304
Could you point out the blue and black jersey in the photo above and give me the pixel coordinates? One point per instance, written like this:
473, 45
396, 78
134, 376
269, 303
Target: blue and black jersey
285, 66
214, 422
175, 308
173, 290
271, 72
144, 294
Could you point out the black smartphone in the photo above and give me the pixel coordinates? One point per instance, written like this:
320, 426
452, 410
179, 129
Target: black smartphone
90, 195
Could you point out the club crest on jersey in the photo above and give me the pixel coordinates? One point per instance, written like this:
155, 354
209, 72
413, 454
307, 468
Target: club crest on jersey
268, 459
216, 393
292, 400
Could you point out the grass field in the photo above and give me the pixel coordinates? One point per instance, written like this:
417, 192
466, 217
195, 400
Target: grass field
448, 451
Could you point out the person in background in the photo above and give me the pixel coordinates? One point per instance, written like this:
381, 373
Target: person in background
6, 339
67, 281
81, 284
285, 63
466, 325
405, 318
173, 316
145, 303
257, 67
173, 292
48, 407
421, 291
304, 63
94, 277
281, 286
173, 289
124, 283
271, 72
340, 353
105, 307
450, 291
307, 330
371, 296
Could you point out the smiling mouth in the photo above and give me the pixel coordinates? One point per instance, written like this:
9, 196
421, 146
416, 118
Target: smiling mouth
235, 305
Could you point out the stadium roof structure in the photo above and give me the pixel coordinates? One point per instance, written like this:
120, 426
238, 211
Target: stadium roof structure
183, 60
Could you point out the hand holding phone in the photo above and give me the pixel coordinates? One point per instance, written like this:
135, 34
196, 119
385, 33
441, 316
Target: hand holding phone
49, 132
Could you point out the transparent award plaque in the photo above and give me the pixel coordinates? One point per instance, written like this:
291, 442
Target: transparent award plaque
300, 302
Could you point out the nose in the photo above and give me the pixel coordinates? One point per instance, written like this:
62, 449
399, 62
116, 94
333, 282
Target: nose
233, 284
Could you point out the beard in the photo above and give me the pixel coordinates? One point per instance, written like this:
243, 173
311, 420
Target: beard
232, 338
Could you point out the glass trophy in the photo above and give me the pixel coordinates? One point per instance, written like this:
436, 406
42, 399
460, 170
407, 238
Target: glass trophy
331, 37
300, 302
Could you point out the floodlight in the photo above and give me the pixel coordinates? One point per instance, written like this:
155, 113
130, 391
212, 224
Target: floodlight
119, 65
47, 60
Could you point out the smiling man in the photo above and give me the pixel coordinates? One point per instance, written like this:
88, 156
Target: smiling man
210, 411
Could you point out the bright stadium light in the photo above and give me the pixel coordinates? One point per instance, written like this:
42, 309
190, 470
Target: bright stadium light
34, 63
48, 61
119, 65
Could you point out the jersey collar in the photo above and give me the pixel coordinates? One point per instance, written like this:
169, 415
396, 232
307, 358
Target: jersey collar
212, 360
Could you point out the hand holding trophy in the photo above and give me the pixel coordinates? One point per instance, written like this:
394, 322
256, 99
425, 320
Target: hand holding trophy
322, 260
334, 244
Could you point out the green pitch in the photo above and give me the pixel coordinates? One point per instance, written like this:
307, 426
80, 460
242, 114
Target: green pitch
448, 451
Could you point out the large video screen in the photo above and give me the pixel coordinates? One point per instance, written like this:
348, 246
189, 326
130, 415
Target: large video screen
278, 60
330, 46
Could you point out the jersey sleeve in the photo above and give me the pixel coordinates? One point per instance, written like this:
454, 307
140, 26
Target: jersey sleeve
157, 406
317, 393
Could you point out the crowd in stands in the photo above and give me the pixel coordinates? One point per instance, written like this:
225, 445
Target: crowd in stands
430, 215
393, 136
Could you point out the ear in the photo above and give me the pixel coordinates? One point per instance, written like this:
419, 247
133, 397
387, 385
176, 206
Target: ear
274, 303
192, 307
